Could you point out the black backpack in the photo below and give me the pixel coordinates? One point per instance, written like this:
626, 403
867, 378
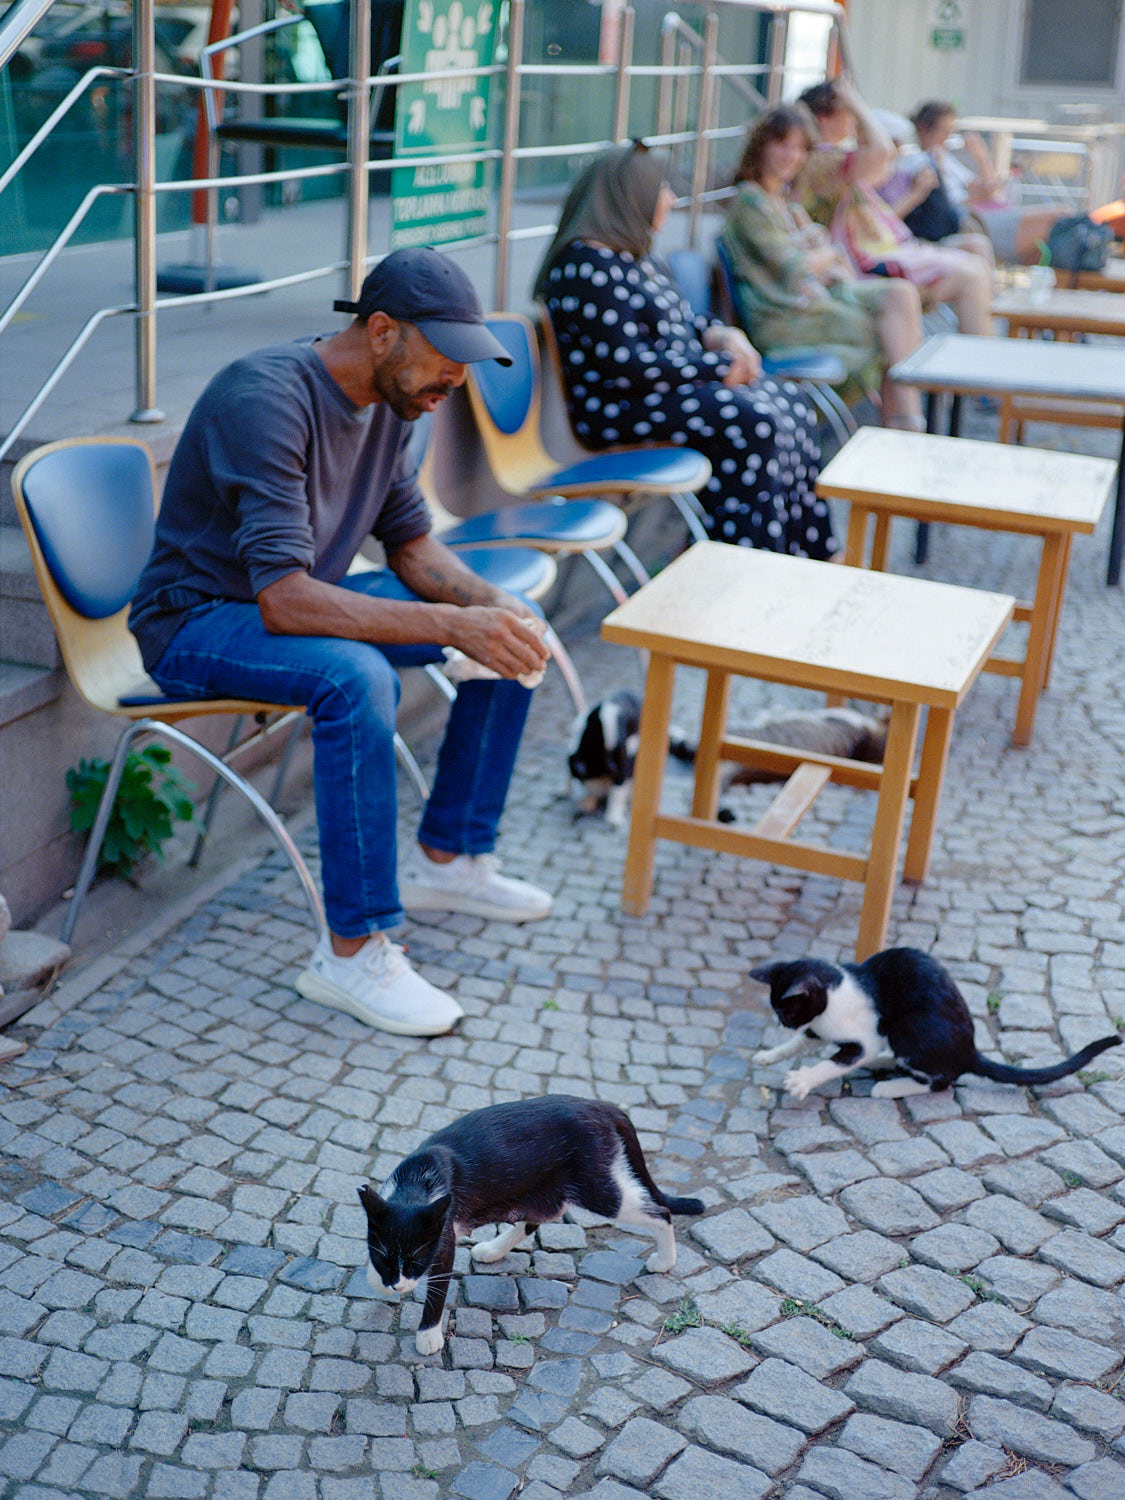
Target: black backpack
1078, 244
935, 217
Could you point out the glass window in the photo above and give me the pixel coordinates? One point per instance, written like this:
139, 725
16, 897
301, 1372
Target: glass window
1071, 44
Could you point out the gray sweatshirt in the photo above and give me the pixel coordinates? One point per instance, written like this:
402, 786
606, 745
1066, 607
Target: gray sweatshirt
276, 471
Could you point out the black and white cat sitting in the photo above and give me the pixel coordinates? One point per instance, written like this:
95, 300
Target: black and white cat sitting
603, 750
900, 1002
521, 1164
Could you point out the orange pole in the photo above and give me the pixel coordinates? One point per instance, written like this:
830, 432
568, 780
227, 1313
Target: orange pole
217, 31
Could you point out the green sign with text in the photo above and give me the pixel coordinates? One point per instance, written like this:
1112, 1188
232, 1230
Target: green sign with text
432, 205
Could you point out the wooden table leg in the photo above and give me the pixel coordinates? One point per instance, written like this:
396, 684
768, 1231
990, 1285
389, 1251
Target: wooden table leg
894, 793
1064, 568
1044, 611
648, 782
881, 545
927, 795
855, 547
712, 728
1117, 535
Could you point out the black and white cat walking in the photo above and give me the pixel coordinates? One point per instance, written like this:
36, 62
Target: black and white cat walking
520, 1164
900, 1004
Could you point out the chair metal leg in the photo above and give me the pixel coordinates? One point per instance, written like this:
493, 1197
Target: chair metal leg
816, 395
569, 671
632, 562
839, 405
606, 575
219, 766
285, 762
263, 732
411, 767
97, 832
692, 512
441, 682
213, 799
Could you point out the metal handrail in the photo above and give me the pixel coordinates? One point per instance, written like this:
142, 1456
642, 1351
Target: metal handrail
54, 117
18, 22
674, 74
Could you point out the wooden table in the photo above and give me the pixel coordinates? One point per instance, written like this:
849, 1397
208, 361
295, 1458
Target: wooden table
1063, 314
967, 364
736, 612
1111, 278
1053, 496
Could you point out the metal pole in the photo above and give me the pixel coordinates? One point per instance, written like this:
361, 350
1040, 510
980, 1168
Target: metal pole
144, 226
706, 108
667, 82
779, 37
359, 142
624, 58
508, 160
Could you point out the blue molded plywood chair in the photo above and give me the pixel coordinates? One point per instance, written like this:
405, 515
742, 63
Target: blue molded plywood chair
506, 406
87, 507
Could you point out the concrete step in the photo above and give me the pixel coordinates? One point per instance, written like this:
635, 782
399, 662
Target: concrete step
24, 689
27, 636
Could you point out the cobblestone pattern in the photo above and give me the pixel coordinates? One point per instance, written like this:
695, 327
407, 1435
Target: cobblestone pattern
886, 1298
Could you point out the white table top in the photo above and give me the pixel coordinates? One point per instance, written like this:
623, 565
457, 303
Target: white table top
1015, 367
814, 624
1102, 312
970, 483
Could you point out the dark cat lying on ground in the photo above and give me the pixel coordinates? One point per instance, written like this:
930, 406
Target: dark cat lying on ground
604, 748
520, 1164
901, 1002
843, 732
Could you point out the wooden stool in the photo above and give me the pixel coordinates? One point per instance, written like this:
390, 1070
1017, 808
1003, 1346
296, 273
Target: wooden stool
740, 613
1028, 490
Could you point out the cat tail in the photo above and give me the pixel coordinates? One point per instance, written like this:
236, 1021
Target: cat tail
1001, 1073
636, 1159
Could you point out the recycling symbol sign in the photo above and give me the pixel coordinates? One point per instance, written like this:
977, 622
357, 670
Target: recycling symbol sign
435, 204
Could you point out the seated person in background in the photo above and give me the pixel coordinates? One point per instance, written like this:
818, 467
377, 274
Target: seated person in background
795, 289
639, 367
291, 458
976, 191
837, 187
918, 193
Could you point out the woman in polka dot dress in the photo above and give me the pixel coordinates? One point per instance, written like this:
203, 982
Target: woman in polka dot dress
639, 367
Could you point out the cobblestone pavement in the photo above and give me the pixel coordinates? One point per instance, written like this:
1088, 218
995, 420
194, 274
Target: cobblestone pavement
885, 1299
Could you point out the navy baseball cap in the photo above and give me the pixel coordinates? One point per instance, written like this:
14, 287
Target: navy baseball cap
423, 287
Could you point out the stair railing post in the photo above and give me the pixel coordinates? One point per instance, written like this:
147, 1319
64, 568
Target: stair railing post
359, 142
508, 159
144, 210
707, 95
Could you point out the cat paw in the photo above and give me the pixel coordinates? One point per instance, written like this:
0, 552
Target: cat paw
799, 1081
487, 1251
658, 1261
763, 1058
429, 1340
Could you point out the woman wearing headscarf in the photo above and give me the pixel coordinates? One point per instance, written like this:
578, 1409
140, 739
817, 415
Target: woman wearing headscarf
640, 367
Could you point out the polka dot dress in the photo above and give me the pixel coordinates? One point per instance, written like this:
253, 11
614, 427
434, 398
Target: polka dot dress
636, 372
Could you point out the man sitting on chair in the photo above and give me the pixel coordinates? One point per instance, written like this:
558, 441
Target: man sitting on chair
291, 458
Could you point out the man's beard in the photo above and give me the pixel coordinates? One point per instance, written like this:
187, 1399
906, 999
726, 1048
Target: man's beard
403, 400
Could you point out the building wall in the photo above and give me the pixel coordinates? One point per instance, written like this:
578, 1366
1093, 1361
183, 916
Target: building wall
898, 66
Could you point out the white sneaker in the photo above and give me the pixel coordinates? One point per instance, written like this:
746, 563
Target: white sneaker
471, 883
378, 986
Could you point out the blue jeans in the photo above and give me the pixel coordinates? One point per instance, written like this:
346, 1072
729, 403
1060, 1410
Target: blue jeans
351, 690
